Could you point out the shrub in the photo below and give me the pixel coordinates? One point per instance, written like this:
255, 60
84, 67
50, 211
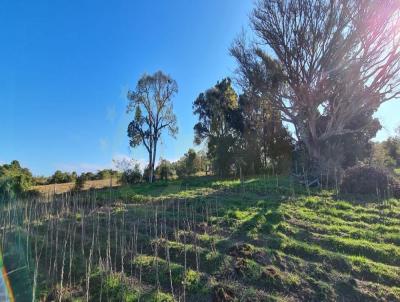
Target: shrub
131, 176
80, 183
165, 170
14, 180
192, 280
112, 288
10, 186
159, 296
60, 177
365, 179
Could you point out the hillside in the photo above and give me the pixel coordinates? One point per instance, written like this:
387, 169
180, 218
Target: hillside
204, 240
66, 187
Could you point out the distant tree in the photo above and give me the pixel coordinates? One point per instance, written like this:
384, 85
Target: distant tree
151, 102
392, 145
330, 62
89, 176
106, 174
192, 162
124, 164
62, 177
387, 153
180, 167
204, 162
378, 155
215, 109
165, 170
40, 180
80, 183
131, 176
129, 171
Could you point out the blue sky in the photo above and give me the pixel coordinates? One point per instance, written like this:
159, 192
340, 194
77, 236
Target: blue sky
65, 68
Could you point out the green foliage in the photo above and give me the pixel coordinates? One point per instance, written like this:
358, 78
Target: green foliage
192, 280
14, 180
165, 170
152, 103
190, 164
79, 183
106, 174
387, 153
112, 287
60, 177
159, 296
243, 134
131, 176
264, 142
215, 108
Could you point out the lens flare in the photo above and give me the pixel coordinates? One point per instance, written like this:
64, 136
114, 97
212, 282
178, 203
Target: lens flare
6, 293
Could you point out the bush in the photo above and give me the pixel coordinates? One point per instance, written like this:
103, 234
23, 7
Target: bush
165, 170
192, 280
364, 179
14, 180
131, 176
12, 186
80, 183
60, 177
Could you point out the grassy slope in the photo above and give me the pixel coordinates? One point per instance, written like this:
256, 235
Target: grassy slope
264, 241
62, 188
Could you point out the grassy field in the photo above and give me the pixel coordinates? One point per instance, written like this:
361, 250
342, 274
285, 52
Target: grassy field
204, 239
66, 187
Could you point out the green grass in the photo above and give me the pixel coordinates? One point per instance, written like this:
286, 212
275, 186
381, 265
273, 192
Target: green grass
264, 240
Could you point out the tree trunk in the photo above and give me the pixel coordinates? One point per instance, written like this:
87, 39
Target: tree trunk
150, 167
313, 156
154, 159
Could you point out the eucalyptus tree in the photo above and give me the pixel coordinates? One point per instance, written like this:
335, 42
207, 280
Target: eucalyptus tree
215, 109
323, 64
151, 102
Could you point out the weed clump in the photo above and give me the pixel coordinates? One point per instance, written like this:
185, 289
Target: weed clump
223, 294
192, 280
241, 250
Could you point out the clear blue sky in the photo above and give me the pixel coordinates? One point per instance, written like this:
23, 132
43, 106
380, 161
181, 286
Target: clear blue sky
65, 68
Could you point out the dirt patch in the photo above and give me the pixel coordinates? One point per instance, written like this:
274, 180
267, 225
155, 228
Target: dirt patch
269, 272
241, 250
223, 294
247, 251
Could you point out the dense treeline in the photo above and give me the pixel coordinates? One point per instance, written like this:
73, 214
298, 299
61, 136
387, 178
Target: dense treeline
66, 177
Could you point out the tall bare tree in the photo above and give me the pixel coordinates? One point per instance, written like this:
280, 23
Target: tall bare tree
151, 103
330, 61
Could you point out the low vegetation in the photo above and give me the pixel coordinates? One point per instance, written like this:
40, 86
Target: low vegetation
364, 179
204, 239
